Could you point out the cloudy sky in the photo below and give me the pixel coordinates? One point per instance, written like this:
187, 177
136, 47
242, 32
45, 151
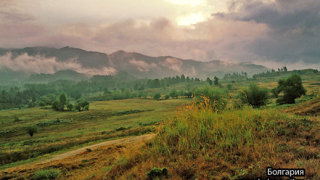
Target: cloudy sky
268, 32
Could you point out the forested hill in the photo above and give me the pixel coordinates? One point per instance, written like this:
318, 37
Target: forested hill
44, 60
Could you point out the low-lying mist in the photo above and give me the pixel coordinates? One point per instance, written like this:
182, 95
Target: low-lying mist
40, 64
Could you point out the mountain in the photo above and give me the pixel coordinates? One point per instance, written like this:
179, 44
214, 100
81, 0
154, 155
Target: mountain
59, 75
50, 60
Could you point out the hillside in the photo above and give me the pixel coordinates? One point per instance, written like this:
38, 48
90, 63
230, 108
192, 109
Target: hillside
49, 60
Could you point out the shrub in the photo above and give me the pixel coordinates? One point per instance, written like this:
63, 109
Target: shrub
47, 174
174, 93
70, 107
156, 173
31, 129
86, 107
167, 96
157, 96
229, 86
254, 95
41, 103
292, 88
216, 97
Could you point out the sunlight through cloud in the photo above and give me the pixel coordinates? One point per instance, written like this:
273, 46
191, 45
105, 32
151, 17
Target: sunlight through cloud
190, 2
191, 19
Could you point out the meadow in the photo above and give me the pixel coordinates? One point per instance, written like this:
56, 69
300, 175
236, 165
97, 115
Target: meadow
193, 139
60, 130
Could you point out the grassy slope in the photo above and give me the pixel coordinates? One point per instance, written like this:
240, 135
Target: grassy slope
293, 142
200, 143
77, 128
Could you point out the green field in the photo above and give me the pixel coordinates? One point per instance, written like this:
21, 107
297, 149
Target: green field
61, 130
196, 140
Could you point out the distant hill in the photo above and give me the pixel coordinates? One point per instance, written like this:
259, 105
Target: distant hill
59, 75
135, 64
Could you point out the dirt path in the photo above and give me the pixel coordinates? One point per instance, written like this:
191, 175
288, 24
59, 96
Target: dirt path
112, 142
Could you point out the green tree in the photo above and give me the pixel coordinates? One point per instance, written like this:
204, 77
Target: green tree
217, 97
209, 81
167, 96
292, 88
174, 93
41, 103
254, 95
70, 107
55, 105
157, 96
63, 101
82, 105
32, 129
216, 81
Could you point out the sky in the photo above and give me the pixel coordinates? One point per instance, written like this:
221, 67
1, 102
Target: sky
273, 33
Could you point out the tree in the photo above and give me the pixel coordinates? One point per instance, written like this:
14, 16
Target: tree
31, 129
275, 92
285, 68
63, 101
292, 88
41, 103
70, 107
254, 95
55, 105
82, 105
157, 96
174, 93
229, 86
209, 81
167, 96
216, 81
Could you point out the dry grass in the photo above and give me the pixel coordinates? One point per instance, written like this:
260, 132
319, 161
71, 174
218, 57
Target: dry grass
199, 143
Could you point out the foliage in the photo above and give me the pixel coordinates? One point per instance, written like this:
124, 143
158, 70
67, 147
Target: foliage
41, 103
167, 96
292, 88
156, 173
157, 96
32, 129
216, 81
70, 107
47, 174
254, 95
174, 93
82, 105
217, 98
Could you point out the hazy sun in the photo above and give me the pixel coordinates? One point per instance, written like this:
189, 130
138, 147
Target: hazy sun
190, 2
191, 19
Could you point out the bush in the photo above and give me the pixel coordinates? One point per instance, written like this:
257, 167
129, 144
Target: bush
174, 93
167, 96
156, 173
70, 107
292, 88
254, 95
31, 129
41, 103
157, 96
47, 174
216, 97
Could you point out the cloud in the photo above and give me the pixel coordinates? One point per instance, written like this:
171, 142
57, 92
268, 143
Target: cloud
278, 31
293, 27
172, 63
39, 64
142, 65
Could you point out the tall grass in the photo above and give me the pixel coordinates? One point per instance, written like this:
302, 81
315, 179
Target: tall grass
199, 140
198, 129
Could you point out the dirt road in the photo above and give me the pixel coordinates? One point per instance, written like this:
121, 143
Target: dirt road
112, 142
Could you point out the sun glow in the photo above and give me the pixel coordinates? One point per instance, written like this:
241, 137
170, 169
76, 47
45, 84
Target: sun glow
191, 19
190, 2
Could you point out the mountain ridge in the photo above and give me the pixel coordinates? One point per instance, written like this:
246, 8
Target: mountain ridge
136, 64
